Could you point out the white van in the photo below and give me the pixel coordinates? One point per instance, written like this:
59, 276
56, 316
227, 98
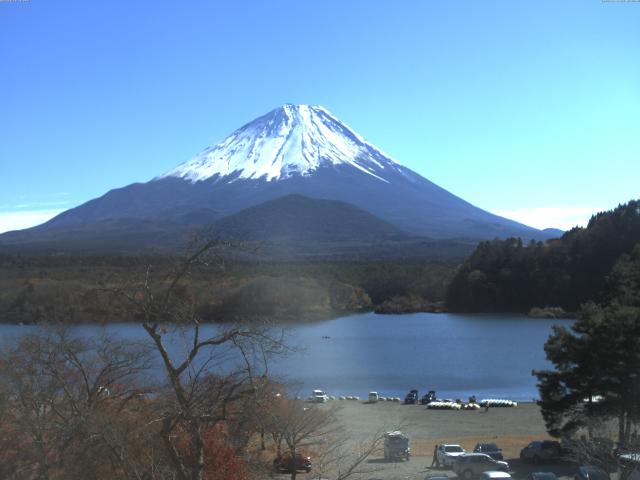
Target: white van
373, 397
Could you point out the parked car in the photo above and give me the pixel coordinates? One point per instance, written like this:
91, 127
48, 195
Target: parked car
490, 449
287, 463
318, 396
396, 446
428, 397
447, 454
495, 475
629, 466
411, 397
540, 451
470, 465
542, 476
589, 472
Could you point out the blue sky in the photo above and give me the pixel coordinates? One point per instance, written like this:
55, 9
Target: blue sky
527, 109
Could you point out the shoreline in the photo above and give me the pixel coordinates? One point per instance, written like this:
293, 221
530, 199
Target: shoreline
285, 321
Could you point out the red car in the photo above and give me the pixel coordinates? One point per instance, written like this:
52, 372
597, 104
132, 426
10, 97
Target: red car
286, 462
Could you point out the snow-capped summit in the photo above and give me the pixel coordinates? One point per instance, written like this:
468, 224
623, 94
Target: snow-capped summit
290, 140
292, 152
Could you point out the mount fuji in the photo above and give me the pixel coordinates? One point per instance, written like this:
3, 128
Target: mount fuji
294, 150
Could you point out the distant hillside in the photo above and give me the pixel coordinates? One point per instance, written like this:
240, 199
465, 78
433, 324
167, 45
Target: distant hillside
298, 228
290, 228
299, 218
507, 275
124, 235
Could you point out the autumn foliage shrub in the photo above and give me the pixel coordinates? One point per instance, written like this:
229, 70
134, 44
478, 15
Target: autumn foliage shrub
220, 460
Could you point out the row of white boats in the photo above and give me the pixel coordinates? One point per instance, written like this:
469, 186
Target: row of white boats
319, 396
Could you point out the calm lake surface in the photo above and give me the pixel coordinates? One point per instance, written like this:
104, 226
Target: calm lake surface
488, 355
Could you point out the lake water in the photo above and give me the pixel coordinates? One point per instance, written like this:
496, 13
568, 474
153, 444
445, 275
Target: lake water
488, 355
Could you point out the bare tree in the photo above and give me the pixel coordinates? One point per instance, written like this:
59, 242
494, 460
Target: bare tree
67, 400
214, 372
297, 427
342, 458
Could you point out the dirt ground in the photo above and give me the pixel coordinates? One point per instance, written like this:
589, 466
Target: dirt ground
510, 428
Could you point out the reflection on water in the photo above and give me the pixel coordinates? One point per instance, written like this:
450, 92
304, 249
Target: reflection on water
456, 355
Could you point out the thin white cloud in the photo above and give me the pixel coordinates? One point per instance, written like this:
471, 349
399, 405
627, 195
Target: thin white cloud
41, 204
564, 217
25, 219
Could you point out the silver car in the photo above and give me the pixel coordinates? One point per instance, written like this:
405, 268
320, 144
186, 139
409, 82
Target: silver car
447, 454
470, 465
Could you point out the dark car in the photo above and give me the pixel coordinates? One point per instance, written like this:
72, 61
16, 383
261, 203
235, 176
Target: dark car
589, 472
490, 449
542, 476
411, 398
541, 451
286, 463
428, 397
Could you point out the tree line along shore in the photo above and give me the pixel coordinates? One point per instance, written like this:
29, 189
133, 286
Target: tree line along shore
75, 289
551, 279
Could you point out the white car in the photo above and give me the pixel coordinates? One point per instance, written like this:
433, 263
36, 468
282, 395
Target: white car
318, 396
495, 475
447, 454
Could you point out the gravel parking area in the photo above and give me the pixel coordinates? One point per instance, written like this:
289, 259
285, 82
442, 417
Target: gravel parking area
510, 428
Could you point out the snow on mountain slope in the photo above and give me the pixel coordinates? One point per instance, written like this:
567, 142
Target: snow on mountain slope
292, 139
293, 150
